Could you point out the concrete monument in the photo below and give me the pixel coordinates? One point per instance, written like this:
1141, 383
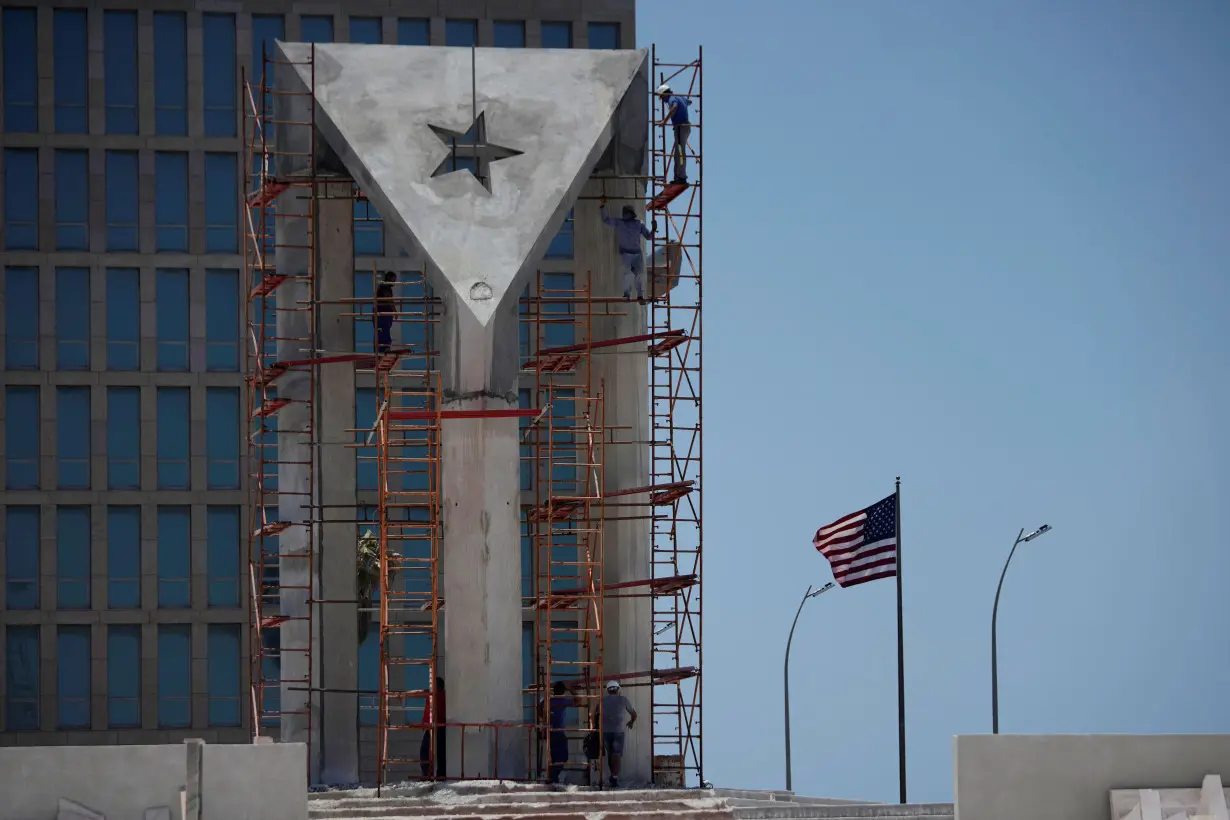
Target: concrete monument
476, 155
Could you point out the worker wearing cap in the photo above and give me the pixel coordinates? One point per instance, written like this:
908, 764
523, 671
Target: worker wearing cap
677, 114
628, 232
614, 705
386, 307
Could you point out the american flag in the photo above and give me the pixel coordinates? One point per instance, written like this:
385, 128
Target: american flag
862, 546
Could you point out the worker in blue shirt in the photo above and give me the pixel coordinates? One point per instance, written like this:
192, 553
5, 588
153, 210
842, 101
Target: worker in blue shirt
628, 232
677, 114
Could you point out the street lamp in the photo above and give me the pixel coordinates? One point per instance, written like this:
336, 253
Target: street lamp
1021, 538
811, 593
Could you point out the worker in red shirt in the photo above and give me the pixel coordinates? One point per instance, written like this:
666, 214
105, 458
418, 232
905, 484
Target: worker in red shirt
425, 747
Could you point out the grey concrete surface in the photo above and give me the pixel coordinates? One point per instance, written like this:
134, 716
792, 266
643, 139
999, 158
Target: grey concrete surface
117, 781
253, 782
336, 641
555, 107
237, 782
1069, 777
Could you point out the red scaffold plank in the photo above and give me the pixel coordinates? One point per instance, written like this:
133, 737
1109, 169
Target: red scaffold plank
565, 598
270, 407
668, 343
664, 340
554, 511
271, 529
547, 363
269, 621
658, 493
668, 195
267, 285
265, 194
418, 415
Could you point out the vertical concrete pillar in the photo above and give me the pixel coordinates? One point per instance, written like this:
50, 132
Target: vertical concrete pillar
335, 651
481, 549
627, 544
296, 339
294, 328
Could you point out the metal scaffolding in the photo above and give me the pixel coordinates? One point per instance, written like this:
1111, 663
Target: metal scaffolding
565, 525
675, 412
280, 615
567, 436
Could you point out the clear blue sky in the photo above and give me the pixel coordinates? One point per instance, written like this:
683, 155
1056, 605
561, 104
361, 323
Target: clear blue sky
985, 245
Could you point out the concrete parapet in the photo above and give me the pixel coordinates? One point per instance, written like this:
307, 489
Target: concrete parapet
235, 782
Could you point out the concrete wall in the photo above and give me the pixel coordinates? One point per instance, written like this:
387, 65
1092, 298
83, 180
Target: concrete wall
239, 782
1069, 777
253, 782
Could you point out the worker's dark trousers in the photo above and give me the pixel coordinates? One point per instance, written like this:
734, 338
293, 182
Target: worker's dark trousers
559, 756
682, 132
425, 751
384, 333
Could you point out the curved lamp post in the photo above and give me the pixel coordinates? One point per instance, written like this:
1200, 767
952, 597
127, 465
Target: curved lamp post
786, 671
1020, 539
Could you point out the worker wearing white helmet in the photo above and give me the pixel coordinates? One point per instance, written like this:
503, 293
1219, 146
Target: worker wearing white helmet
614, 705
677, 114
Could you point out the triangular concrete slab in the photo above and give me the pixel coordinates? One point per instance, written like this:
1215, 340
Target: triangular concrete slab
381, 109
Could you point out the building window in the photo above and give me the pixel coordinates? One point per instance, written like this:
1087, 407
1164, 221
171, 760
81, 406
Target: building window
222, 438
266, 462
123, 438
509, 33
368, 229
367, 470
174, 557
171, 73
120, 71
364, 326
21, 199
222, 320
72, 200
21, 437
71, 75
559, 329
173, 446
527, 558
21, 319
557, 34
366, 30
220, 79
72, 557
172, 319
174, 676
604, 35
265, 29
562, 244
123, 215
413, 31
72, 318
73, 438
73, 677
222, 555
124, 676
525, 401
461, 33
21, 558
223, 683
21, 679
123, 557
171, 201
123, 319
316, 28
221, 203
20, 60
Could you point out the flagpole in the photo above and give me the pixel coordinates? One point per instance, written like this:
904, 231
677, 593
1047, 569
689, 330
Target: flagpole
900, 658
